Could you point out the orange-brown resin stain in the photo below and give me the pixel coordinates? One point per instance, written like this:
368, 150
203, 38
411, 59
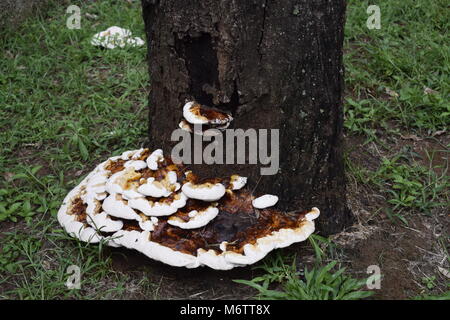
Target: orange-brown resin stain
207, 113
115, 166
238, 223
78, 208
131, 225
191, 204
144, 155
163, 168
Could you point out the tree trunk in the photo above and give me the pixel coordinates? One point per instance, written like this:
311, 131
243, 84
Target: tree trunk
272, 65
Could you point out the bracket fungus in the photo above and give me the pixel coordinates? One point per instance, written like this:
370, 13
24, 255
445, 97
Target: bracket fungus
200, 119
142, 200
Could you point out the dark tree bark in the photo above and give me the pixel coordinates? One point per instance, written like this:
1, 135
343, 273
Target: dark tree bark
272, 64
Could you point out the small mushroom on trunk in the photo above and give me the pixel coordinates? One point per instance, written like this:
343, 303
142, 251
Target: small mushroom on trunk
195, 113
201, 119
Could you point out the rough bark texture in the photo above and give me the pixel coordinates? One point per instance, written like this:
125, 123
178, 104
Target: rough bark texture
272, 64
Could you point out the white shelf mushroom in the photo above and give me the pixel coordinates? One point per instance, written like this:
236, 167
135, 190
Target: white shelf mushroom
127, 154
127, 239
265, 201
205, 191
115, 206
148, 223
197, 129
74, 227
131, 194
165, 254
108, 198
103, 222
237, 182
196, 114
136, 164
154, 158
90, 235
138, 153
191, 112
112, 185
158, 189
163, 208
197, 218
154, 189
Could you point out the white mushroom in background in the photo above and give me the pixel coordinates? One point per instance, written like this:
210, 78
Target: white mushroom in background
313, 214
114, 37
195, 113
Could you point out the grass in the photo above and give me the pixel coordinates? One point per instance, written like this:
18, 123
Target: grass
409, 186
66, 105
389, 69
41, 272
321, 282
443, 296
398, 81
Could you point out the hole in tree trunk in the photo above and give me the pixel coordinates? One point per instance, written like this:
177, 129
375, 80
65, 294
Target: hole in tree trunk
201, 62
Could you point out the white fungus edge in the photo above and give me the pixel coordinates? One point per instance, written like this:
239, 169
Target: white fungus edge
203, 192
202, 218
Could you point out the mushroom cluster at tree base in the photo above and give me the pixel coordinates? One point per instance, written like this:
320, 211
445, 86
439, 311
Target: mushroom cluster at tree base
141, 200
